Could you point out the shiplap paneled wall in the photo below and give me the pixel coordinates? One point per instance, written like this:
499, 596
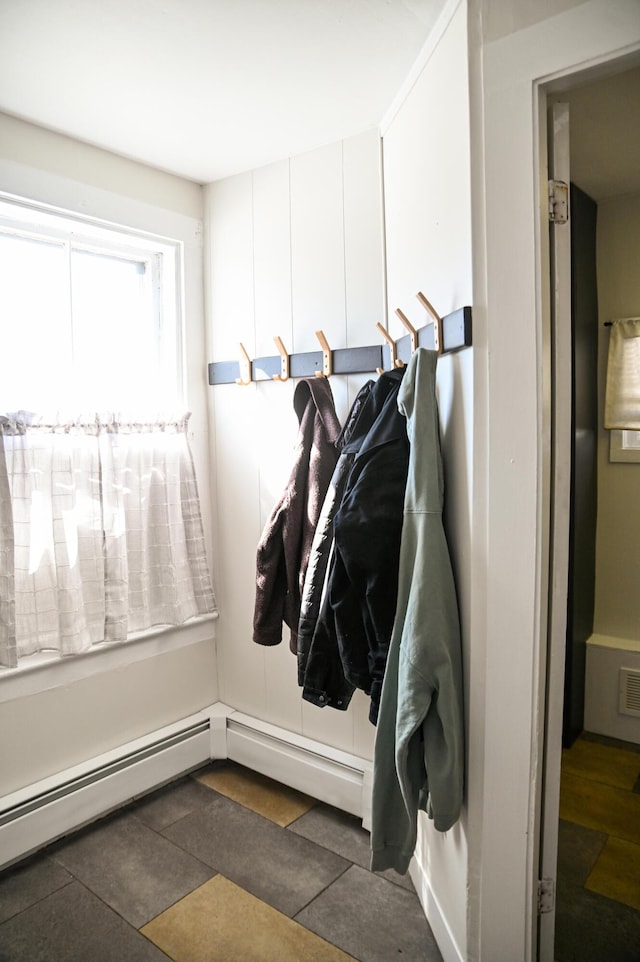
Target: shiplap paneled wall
297, 247
291, 248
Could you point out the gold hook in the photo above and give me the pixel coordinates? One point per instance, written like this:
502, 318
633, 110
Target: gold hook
392, 348
327, 366
245, 367
284, 361
410, 328
437, 322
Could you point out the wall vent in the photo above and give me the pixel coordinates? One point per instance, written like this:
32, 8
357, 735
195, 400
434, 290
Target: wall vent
629, 700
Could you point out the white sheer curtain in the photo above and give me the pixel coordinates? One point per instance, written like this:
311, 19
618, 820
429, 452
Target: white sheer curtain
622, 395
101, 533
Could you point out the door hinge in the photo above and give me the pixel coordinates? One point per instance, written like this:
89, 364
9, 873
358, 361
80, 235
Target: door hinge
546, 895
558, 202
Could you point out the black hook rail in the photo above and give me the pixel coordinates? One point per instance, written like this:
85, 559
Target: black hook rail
456, 335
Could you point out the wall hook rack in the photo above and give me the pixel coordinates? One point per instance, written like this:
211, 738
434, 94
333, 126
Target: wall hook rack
446, 335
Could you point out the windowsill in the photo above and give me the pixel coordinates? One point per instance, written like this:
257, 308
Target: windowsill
45, 671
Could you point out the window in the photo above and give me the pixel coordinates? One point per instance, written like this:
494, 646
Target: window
100, 528
622, 396
94, 309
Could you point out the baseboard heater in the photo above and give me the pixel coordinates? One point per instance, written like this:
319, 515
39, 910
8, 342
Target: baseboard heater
328, 774
32, 817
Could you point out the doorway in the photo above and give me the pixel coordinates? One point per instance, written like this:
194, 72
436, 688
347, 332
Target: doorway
597, 911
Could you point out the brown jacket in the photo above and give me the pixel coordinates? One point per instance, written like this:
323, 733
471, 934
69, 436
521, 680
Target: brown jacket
283, 551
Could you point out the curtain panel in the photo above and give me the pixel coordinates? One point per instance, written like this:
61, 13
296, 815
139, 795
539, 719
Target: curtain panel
622, 394
101, 532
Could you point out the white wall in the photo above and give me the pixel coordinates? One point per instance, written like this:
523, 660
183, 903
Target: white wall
427, 182
510, 433
617, 600
80, 713
291, 248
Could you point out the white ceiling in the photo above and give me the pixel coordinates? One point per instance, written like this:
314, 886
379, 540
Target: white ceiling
208, 88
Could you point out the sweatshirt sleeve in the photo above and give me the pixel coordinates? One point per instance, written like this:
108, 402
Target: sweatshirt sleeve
393, 834
419, 751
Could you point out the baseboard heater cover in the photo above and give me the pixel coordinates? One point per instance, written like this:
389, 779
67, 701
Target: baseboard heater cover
47, 810
328, 774
56, 806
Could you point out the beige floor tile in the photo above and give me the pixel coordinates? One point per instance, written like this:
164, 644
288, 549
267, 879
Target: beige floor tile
276, 802
616, 874
602, 763
613, 811
220, 922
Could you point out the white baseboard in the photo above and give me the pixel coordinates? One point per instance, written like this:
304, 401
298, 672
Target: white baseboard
431, 908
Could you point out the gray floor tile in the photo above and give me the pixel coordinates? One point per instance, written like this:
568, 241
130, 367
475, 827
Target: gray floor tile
171, 803
72, 925
132, 868
578, 850
343, 834
275, 865
371, 919
592, 928
28, 882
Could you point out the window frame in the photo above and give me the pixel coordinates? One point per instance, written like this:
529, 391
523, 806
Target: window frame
41, 222
147, 223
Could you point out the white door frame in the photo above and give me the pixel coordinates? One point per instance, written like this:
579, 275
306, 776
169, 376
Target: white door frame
556, 334
556, 402
512, 444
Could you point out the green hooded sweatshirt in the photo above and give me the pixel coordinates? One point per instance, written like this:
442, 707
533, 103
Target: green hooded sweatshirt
419, 748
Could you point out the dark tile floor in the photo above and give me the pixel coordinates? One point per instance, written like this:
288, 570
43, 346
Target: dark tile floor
221, 866
598, 884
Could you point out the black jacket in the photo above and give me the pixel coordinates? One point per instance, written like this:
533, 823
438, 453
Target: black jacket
322, 545
352, 634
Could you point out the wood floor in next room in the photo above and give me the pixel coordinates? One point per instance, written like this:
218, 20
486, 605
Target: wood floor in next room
598, 893
221, 866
